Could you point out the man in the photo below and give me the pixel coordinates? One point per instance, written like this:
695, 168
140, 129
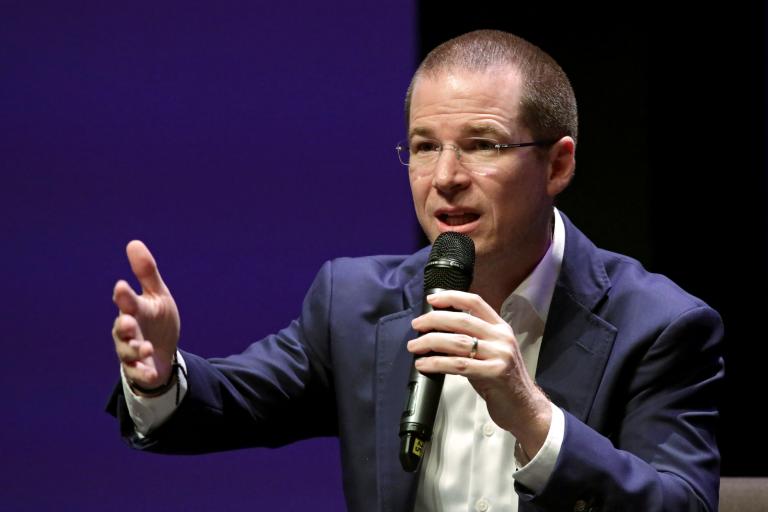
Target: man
622, 412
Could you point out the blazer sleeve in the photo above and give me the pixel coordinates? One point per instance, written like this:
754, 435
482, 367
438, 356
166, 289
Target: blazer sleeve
277, 391
663, 454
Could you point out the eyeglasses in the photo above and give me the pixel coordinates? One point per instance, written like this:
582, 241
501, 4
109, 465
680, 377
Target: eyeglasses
478, 155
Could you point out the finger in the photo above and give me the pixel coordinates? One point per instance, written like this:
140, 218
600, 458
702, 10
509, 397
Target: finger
125, 298
126, 328
453, 321
444, 343
144, 267
471, 368
129, 342
134, 351
463, 301
142, 372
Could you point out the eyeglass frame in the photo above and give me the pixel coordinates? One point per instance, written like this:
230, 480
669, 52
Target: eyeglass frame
497, 145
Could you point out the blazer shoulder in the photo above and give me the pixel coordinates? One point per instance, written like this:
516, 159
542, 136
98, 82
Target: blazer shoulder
385, 271
632, 284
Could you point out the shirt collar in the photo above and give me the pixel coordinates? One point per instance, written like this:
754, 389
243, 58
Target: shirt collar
538, 287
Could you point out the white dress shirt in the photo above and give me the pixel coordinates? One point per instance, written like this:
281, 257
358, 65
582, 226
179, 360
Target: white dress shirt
148, 413
470, 465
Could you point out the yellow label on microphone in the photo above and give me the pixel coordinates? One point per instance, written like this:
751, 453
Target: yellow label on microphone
418, 447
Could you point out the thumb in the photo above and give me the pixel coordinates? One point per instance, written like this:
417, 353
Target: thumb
145, 268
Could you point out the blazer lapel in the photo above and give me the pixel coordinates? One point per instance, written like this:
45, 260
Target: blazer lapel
396, 487
576, 342
574, 352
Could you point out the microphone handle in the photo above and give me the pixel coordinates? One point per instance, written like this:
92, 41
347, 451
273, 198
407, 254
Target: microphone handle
418, 416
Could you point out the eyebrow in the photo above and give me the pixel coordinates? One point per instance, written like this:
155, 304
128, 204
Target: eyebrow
484, 129
424, 132
470, 130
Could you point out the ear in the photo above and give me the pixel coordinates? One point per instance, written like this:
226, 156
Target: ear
562, 164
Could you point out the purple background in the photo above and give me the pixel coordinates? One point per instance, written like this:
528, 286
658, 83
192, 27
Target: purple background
246, 144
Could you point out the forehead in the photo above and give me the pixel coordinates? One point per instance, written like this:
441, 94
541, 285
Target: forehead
463, 101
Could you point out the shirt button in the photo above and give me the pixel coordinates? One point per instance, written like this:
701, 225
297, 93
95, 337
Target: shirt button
482, 505
488, 429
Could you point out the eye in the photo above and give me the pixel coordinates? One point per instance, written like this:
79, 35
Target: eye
424, 146
481, 145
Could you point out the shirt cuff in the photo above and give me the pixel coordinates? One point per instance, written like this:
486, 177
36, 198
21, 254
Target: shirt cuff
149, 413
534, 473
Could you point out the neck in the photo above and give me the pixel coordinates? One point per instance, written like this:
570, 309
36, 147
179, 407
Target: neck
496, 277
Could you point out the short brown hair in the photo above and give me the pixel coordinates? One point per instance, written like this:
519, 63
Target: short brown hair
548, 104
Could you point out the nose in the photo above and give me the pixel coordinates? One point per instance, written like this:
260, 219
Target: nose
449, 176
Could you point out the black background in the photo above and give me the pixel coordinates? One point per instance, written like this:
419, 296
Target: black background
671, 164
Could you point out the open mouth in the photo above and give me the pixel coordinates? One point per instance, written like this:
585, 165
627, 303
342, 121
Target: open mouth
457, 219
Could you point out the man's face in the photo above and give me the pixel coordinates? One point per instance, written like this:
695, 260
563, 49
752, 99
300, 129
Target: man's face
506, 212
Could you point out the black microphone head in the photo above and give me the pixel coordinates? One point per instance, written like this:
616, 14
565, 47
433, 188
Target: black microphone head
451, 263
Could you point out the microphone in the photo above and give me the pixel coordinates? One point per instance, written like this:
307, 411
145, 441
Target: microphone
450, 267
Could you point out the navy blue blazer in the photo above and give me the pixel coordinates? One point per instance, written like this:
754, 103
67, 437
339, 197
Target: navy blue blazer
634, 362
